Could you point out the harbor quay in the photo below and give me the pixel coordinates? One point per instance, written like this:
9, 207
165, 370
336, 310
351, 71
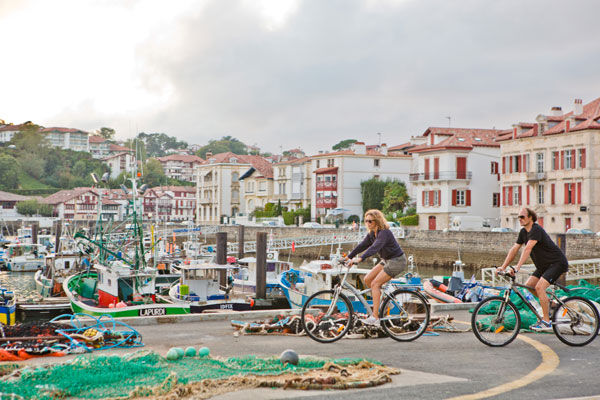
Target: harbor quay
438, 365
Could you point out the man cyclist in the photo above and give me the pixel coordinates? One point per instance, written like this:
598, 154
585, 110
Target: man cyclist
380, 240
550, 262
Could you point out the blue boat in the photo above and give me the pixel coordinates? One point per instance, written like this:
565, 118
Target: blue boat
7, 307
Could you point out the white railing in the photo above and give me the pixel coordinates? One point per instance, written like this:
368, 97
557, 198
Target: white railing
578, 269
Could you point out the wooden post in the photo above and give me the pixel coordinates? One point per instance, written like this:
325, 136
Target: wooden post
261, 265
57, 234
240, 241
561, 242
222, 256
34, 232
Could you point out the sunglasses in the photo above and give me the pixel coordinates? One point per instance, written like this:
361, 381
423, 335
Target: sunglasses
522, 216
368, 221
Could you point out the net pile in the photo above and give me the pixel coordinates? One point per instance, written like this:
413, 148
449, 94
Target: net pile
148, 375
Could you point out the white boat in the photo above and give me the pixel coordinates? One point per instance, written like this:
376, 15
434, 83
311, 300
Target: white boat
49, 280
25, 257
199, 287
244, 281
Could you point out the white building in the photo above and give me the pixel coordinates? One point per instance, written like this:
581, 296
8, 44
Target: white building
337, 177
120, 162
8, 131
67, 138
99, 147
180, 167
456, 174
551, 166
292, 183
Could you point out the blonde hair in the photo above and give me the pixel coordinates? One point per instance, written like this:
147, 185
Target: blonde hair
379, 218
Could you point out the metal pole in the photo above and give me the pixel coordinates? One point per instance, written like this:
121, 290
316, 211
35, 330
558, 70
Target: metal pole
222, 256
57, 237
261, 265
240, 242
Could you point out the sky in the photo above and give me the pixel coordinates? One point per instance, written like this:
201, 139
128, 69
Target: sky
286, 74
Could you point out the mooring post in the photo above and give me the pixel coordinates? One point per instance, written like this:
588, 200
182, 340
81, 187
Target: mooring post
561, 242
34, 232
240, 242
261, 265
57, 234
222, 256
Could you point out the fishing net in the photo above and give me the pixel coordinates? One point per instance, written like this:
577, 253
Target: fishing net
146, 374
528, 318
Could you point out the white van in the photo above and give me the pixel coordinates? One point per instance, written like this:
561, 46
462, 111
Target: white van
469, 223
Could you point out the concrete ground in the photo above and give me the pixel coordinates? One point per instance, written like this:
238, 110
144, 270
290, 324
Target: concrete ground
437, 366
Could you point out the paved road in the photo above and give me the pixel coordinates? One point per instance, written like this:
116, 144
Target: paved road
536, 366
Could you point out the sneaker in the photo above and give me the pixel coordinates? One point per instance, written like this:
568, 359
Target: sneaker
370, 321
542, 326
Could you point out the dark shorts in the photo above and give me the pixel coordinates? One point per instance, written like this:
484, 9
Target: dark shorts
395, 266
552, 272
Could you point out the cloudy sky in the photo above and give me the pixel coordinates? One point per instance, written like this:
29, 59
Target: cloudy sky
294, 73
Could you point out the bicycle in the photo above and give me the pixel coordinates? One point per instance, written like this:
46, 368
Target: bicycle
496, 320
329, 314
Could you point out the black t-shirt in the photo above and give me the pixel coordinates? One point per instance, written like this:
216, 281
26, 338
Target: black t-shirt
545, 252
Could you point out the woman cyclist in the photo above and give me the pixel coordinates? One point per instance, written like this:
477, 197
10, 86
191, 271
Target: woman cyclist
380, 240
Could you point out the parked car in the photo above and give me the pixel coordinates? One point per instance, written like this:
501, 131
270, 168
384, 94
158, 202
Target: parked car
501, 229
576, 231
312, 225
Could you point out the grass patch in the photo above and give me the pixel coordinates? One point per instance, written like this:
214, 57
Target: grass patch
26, 181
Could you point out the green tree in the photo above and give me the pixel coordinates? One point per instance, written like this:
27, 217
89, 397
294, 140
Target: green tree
395, 197
227, 143
32, 207
29, 139
153, 173
344, 144
372, 191
33, 164
157, 144
9, 172
107, 133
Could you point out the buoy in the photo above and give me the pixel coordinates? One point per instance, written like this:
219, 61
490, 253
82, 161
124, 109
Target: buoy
190, 352
173, 354
289, 356
121, 305
203, 351
111, 305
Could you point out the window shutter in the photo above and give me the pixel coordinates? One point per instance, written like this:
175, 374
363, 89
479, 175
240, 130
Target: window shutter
454, 197
520, 192
573, 159
552, 193
527, 194
510, 195
424, 194
503, 165
562, 159
468, 197
566, 193
578, 192
582, 158
510, 164
439, 197
431, 197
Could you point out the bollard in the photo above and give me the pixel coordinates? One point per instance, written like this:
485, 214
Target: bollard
261, 265
34, 232
222, 256
240, 242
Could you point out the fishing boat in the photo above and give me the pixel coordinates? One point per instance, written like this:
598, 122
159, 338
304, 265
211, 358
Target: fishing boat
437, 291
7, 307
25, 257
199, 287
120, 282
244, 281
48, 281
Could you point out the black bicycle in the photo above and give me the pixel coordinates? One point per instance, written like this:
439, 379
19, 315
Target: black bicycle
496, 320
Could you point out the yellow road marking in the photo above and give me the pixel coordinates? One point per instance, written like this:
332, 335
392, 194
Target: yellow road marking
549, 363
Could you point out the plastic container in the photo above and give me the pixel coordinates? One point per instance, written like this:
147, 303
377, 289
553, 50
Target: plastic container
184, 290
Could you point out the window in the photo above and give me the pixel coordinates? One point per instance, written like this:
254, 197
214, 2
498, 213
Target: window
376, 162
460, 198
540, 194
494, 168
425, 198
581, 158
330, 162
568, 159
555, 165
262, 186
436, 198
495, 199
517, 195
318, 163
540, 162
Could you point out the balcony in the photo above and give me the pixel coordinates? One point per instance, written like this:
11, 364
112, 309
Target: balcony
536, 176
327, 203
441, 176
327, 185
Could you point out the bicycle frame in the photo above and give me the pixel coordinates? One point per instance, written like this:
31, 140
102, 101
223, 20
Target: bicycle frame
550, 292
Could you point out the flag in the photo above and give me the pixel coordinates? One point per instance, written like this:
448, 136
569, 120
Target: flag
293, 247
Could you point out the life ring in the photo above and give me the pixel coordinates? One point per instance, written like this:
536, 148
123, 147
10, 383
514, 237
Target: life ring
269, 255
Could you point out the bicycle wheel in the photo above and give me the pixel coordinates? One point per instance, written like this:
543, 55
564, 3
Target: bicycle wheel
325, 319
404, 315
575, 322
495, 322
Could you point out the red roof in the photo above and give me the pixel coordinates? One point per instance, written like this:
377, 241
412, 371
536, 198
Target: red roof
97, 139
459, 139
63, 130
116, 147
264, 167
6, 196
12, 128
325, 170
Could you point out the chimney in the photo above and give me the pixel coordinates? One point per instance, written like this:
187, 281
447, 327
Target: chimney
578, 109
383, 149
556, 111
208, 154
360, 148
